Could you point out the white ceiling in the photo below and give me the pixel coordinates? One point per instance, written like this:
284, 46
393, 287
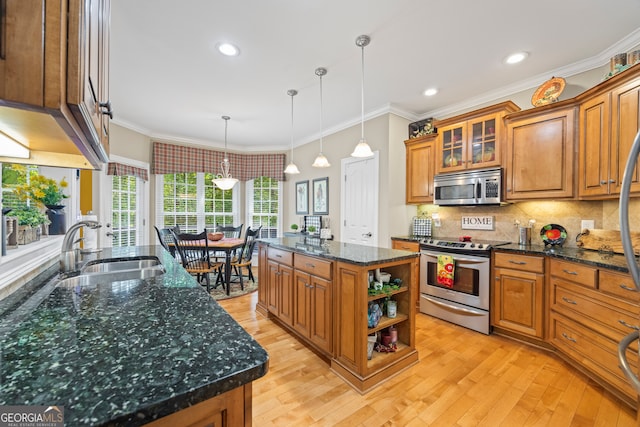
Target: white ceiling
168, 81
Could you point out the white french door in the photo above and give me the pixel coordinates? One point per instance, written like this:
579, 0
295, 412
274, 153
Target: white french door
359, 200
123, 209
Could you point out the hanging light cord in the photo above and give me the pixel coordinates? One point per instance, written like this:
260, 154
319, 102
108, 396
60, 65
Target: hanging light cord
362, 94
321, 123
292, 93
226, 122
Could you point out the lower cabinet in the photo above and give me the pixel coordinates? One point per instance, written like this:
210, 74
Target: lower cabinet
312, 301
518, 294
591, 310
230, 409
351, 300
275, 284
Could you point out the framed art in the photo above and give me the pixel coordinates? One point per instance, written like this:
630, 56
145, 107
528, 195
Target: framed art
302, 197
321, 196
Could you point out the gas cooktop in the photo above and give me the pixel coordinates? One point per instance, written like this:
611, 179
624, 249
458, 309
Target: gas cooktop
454, 243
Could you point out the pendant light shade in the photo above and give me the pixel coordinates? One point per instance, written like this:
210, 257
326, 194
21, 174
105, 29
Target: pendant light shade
291, 168
224, 181
362, 149
321, 161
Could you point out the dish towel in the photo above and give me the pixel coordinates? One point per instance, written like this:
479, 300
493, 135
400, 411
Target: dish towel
446, 270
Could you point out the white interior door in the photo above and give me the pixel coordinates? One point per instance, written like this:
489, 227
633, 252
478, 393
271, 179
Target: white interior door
359, 204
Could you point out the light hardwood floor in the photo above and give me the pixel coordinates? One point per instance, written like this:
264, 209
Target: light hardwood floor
463, 379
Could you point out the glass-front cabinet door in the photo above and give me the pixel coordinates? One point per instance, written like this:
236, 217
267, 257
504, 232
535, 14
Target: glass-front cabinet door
483, 146
453, 148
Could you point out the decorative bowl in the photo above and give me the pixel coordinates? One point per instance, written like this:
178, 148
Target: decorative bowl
215, 236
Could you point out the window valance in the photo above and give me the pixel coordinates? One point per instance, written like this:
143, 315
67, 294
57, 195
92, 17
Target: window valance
170, 158
120, 169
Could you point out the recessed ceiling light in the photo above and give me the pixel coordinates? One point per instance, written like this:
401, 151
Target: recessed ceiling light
228, 49
430, 92
516, 57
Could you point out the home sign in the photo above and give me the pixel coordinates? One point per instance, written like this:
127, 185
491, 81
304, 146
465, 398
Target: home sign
477, 223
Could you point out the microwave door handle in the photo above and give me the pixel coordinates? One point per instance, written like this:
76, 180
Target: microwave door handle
478, 189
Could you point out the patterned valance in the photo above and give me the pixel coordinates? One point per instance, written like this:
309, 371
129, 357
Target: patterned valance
119, 169
170, 158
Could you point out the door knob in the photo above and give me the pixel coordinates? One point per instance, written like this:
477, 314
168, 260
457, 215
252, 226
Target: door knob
109, 234
367, 234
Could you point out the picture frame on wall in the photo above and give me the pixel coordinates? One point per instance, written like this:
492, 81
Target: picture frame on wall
321, 196
302, 197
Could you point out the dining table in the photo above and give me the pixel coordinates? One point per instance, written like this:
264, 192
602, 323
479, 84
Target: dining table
227, 245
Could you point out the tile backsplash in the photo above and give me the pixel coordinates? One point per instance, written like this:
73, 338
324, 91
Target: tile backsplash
568, 214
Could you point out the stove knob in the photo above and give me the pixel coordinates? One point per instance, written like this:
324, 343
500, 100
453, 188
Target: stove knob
473, 245
480, 246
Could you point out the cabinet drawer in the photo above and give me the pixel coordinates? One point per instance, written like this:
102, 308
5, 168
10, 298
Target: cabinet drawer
618, 284
611, 317
278, 255
578, 273
519, 262
595, 352
405, 246
312, 265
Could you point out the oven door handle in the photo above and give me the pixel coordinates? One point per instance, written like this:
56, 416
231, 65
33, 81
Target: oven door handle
454, 307
457, 257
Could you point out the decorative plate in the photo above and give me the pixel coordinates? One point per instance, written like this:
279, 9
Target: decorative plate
553, 234
548, 92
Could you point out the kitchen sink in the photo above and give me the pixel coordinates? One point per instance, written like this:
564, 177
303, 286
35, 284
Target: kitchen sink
109, 277
114, 265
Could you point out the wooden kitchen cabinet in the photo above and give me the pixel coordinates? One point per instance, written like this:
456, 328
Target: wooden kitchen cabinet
518, 294
591, 310
351, 301
540, 153
609, 120
232, 408
279, 284
420, 153
312, 301
472, 140
405, 245
54, 78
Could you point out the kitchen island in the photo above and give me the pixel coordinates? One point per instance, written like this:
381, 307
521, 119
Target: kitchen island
319, 290
129, 352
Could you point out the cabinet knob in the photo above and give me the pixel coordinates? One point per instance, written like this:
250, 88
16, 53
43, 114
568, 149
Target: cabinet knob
612, 181
603, 182
106, 109
568, 337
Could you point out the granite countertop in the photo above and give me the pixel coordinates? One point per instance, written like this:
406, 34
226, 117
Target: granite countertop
585, 256
339, 251
122, 353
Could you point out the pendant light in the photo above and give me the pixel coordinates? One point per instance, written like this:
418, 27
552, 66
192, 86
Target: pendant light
224, 181
291, 167
362, 149
321, 161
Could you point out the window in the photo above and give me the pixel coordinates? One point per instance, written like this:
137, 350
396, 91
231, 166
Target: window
263, 205
124, 210
192, 202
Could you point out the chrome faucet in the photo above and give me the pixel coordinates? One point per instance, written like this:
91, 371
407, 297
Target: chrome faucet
68, 256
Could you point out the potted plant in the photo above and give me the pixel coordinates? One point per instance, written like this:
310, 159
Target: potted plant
294, 227
312, 229
47, 193
30, 221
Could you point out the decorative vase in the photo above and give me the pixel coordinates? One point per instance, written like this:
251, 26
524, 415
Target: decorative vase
58, 219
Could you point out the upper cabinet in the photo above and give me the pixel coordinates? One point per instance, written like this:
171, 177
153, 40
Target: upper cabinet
472, 140
54, 93
541, 153
420, 169
609, 120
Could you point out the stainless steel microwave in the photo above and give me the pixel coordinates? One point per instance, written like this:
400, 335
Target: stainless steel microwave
476, 187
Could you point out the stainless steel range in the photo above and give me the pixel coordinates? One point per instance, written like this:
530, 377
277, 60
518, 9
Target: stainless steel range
464, 299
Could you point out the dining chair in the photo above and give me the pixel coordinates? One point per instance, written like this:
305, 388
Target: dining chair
166, 239
194, 255
230, 231
244, 256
